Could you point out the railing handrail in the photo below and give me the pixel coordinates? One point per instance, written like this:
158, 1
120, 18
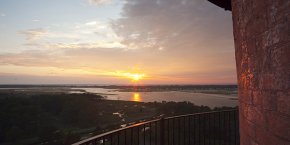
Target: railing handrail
143, 123
193, 114
114, 131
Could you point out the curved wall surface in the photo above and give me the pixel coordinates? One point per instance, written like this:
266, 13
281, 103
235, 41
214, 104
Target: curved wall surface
262, 43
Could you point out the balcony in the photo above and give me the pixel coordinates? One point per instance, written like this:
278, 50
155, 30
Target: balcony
209, 128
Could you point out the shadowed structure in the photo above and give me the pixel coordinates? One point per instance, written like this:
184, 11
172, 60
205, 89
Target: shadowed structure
262, 41
226, 4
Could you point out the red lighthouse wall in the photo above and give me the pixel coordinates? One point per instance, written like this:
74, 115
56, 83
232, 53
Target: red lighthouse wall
262, 43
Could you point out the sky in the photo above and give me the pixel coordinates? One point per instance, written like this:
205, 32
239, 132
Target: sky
115, 42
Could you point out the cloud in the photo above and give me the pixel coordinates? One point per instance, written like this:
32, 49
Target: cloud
91, 23
99, 2
2, 14
34, 34
29, 58
172, 24
87, 35
100, 45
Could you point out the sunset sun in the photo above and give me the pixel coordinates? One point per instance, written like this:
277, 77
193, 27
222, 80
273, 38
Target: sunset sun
134, 77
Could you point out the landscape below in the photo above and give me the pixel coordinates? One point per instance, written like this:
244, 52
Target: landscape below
53, 115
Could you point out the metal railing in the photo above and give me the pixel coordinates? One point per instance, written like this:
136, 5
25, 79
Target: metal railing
209, 128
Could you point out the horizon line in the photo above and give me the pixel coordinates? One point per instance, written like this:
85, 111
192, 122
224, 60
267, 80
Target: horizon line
48, 84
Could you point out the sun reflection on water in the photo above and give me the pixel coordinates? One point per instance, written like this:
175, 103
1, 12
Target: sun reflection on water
136, 97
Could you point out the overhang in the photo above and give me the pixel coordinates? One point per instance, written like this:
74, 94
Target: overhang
226, 4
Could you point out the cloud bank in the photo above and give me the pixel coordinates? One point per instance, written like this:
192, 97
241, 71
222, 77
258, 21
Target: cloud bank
171, 24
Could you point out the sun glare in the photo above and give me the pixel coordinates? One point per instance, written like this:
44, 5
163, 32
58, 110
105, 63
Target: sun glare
134, 77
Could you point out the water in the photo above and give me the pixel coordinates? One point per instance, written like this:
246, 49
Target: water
211, 100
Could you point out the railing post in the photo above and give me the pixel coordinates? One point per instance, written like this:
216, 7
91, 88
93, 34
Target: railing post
162, 131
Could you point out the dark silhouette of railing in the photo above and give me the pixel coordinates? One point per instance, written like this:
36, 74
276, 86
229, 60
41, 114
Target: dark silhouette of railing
209, 128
